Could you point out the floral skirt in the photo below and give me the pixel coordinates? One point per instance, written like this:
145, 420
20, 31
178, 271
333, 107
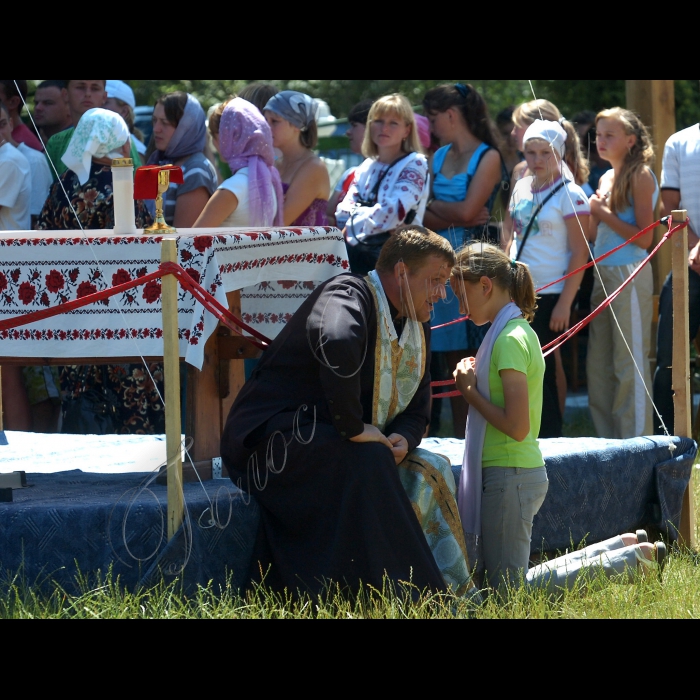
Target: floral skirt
140, 409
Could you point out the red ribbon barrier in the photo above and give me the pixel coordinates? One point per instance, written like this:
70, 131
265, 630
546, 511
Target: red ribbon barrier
575, 330
555, 345
591, 264
186, 282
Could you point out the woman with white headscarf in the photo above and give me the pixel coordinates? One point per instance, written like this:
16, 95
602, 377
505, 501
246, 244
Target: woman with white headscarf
100, 137
305, 180
551, 219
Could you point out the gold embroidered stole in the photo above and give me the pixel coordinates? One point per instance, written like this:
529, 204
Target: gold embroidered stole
400, 362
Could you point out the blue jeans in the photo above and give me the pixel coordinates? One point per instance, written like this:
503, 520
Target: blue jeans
512, 499
663, 381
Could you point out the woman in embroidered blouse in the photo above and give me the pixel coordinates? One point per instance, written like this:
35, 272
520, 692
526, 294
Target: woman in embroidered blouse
390, 187
305, 180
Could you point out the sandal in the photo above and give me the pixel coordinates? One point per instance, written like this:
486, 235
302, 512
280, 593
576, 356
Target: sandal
642, 536
661, 558
659, 563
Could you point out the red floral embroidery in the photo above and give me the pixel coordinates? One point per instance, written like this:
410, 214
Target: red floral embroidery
15, 275
152, 292
86, 289
203, 243
3, 282
121, 277
27, 293
194, 274
55, 282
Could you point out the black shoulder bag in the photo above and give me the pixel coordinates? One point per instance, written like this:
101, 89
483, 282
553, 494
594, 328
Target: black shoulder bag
538, 211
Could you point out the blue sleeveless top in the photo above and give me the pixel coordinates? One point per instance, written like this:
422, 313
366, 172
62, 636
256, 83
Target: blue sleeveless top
464, 335
609, 240
455, 190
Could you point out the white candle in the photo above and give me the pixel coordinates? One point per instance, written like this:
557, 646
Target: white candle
124, 207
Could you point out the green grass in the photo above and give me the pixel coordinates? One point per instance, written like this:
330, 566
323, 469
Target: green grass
677, 597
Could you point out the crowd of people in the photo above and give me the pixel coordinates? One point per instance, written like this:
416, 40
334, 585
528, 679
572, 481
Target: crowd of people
450, 215
550, 192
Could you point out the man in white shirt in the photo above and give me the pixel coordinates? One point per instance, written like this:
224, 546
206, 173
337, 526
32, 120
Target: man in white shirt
15, 181
15, 199
680, 189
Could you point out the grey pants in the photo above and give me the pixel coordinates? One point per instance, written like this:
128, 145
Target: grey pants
612, 558
512, 499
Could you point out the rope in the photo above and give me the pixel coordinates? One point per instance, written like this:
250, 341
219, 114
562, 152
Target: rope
588, 266
555, 345
186, 282
575, 330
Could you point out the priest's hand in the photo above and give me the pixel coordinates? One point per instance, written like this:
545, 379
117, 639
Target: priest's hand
399, 447
372, 434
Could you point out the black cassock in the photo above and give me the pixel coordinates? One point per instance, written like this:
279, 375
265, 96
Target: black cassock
332, 510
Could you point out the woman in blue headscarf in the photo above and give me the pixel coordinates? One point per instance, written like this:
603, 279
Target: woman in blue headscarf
305, 180
180, 137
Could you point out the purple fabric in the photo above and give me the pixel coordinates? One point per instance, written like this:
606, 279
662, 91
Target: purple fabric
189, 138
245, 141
424, 131
315, 215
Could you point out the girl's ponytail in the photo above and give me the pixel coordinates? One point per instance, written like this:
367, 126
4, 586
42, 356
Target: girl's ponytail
483, 260
523, 290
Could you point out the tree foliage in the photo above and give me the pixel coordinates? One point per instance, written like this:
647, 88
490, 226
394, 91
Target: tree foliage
571, 96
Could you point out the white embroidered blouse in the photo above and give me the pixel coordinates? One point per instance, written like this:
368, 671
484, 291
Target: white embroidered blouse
405, 189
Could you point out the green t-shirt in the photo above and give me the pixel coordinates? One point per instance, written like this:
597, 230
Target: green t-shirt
58, 145
517, 348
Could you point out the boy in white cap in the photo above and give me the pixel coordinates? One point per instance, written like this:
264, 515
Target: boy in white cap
121, 99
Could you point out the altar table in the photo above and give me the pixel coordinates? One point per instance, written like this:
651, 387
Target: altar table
274, 270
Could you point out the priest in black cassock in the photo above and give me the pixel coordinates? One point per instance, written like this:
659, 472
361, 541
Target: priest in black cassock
325, 435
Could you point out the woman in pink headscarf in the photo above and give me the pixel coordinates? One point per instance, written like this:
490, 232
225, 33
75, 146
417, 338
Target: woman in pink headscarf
252, 197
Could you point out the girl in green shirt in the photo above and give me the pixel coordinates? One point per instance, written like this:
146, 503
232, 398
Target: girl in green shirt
504, 482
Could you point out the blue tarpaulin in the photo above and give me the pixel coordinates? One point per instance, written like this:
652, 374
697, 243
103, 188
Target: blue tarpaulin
76, 521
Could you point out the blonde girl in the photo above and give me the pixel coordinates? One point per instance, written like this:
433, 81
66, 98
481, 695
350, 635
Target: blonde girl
503, 387
550, 217
390, 188
504, 483
623, 206
578, 172
527, 114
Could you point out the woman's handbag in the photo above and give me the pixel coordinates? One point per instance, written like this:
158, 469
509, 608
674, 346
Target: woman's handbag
92, 412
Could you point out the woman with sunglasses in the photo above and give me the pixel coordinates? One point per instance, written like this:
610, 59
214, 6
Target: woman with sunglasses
467, 175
